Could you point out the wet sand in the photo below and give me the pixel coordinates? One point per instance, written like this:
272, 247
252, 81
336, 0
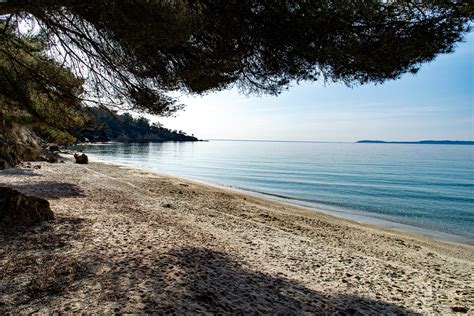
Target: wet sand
126, 240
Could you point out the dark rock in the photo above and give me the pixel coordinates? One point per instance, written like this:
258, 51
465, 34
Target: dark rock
3, 164
351, 311
460, 309
19, 209
53, 148
81, 158
52, 158
37, 167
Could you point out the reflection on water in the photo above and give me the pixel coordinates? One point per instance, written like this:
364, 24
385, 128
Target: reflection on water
429, 186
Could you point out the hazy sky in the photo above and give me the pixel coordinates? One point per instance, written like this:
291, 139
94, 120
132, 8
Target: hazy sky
437, 103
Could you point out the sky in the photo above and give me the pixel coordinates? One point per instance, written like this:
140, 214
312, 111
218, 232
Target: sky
437, 103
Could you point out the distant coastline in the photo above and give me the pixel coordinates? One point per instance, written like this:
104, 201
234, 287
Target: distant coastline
422, 142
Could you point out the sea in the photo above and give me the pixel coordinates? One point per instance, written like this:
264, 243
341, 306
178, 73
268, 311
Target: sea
427, 189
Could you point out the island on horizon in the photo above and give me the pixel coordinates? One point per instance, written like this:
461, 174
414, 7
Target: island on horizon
423, 142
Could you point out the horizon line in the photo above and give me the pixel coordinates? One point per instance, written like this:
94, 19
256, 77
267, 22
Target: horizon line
321, 141
277, 140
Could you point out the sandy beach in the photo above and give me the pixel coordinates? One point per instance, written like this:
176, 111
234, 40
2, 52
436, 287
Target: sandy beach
126, 240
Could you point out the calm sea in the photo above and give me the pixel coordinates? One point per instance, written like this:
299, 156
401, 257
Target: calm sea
423, 188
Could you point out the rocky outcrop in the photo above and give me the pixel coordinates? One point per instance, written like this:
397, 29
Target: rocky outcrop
81, 158
18, 143
19, 209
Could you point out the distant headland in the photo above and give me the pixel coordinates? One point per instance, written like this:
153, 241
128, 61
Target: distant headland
423, 142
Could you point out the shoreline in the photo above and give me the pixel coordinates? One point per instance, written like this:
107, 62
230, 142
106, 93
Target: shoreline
355, 216
128, 240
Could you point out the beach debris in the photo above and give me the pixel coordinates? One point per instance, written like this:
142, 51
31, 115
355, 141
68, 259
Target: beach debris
19, 209
81, 158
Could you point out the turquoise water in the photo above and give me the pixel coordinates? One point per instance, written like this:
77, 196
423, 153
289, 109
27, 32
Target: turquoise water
429, 188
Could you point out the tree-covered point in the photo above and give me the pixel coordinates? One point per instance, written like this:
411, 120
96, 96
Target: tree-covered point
103, 125
134, 52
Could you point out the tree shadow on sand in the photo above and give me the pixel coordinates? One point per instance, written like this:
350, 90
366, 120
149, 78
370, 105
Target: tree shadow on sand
197, 280
48, 189
39, 268
35, 265
20, 172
